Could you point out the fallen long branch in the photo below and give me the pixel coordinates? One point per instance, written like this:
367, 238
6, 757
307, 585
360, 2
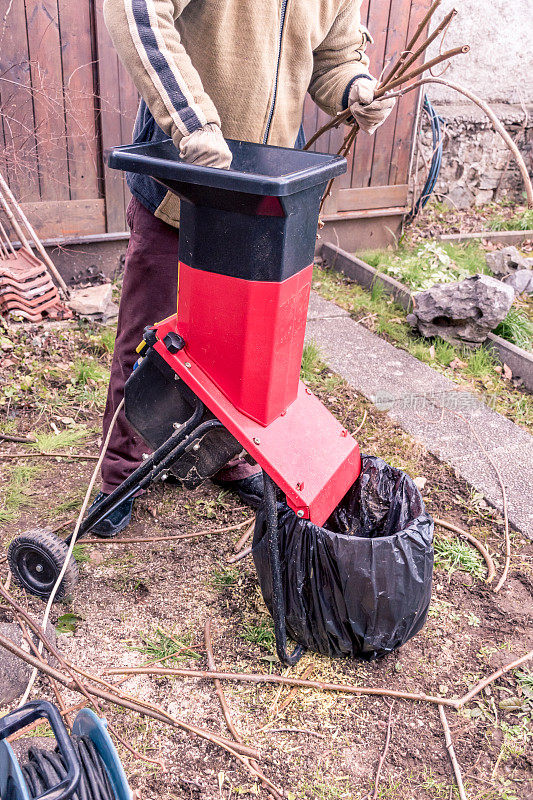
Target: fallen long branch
491, 570
256, 678
328, 687
253, 766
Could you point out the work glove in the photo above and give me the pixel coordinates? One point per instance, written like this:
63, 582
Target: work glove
367, 112
206, 147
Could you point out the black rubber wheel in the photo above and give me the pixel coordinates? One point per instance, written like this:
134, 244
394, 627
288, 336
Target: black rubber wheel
36, 558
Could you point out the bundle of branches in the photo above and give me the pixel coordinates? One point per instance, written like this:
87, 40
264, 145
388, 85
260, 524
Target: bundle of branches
401, 77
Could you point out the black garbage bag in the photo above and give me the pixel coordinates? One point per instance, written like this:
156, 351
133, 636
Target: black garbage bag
361, 585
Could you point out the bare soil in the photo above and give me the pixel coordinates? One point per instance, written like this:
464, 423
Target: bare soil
323, 745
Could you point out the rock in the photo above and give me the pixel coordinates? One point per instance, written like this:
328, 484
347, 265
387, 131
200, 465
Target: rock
463, 312
14, 673
94, 303
506, 261
521, 281
459, 198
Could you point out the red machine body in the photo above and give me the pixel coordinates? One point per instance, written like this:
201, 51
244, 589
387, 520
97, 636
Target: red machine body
248, 336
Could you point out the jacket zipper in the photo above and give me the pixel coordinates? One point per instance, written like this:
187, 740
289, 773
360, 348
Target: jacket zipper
272, 106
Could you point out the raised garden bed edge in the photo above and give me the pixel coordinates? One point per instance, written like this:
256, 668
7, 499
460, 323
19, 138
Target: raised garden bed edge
518, 360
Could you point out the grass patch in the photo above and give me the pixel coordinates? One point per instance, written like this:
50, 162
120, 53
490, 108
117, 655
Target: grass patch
452, 556
310, 361
424, 266
16, 495
224, 578
521, 221
516, 328
160, 645
262, 634
80, 553
480, 363
48, 441
87, 371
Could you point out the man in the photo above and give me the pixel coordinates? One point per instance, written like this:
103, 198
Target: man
209, 69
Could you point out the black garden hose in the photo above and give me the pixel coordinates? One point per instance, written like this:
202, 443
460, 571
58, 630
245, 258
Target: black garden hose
46, 768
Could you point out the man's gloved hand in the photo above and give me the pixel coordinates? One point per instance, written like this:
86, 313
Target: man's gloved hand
369, 113
206, 147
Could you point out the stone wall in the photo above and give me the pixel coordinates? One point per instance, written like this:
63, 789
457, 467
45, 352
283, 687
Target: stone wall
476, 163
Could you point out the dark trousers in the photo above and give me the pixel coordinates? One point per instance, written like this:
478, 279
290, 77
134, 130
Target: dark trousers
149, 294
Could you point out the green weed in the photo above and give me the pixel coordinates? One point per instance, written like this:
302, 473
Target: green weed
452, 555
16, 494
521, 221
86, 371
48, 441
67, 623
160, 645
480, 363
224, 578
80, 553
516, 328
261, 634
310, 361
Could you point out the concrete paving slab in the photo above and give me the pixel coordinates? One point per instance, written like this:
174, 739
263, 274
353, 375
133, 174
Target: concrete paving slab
425, 404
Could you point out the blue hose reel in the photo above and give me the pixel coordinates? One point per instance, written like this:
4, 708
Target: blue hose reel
89, 730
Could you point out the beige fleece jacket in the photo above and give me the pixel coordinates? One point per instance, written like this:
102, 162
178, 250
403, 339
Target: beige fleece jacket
243, 64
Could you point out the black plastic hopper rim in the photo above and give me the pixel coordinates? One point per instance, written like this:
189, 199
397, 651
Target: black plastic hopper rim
256, 169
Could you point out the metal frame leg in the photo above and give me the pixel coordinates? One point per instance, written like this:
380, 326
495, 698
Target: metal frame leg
148, 471
278, 599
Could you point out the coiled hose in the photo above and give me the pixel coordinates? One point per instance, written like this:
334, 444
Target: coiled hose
46, 768
436, 160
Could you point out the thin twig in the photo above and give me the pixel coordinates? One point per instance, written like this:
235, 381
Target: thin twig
75, 456
451, 753
253, 765
491, 678
384, 753
244, 538
361, 424
169, 537
294, 691
24, 439
491, 570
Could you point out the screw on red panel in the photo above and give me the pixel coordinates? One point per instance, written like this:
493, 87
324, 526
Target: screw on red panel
300, 486
283, 413
300, 513
308, 390
344, 433
256, 440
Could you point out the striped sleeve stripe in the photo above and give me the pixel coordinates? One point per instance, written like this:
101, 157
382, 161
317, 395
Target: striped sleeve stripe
161, 66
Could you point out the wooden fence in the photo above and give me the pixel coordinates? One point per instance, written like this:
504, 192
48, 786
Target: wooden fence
65, 98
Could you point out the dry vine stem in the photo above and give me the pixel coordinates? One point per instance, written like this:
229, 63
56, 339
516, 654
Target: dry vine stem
170, 537
329, 687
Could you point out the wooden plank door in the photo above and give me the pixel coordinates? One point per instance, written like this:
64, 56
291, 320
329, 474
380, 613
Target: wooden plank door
378, 166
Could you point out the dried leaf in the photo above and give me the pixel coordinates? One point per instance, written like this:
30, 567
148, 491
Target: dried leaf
432, 351
458, 364
507, 372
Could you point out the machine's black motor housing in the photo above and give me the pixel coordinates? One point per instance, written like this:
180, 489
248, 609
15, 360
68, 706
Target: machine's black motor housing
156, 400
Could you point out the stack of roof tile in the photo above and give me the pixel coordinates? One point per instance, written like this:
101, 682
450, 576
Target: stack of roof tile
26, 288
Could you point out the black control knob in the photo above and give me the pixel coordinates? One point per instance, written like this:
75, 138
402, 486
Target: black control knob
150, 336
173, 342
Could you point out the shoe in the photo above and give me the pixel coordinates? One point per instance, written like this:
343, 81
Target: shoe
250, 489
115, 522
